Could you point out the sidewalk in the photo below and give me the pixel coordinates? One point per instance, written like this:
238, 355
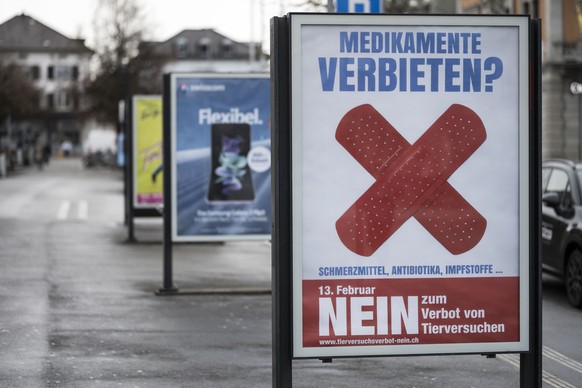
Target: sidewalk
79, 307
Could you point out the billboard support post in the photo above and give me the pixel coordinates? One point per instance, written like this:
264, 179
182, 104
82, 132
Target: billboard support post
168, 287
129, 139
281, 203
531, 362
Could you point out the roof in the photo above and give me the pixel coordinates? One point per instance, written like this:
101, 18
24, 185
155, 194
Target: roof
191, 40
24, 33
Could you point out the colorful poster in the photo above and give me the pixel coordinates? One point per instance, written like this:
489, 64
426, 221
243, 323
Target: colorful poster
147, 151
410, 173
221, 157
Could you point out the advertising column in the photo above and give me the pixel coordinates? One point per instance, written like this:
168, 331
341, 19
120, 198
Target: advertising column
410, 184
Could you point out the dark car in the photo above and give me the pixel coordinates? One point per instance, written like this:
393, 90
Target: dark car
562, 224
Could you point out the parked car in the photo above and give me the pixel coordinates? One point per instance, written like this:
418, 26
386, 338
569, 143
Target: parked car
562, 224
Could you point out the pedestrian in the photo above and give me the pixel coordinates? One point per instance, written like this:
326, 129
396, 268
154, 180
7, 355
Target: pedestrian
46, 153
66, 148
38, 154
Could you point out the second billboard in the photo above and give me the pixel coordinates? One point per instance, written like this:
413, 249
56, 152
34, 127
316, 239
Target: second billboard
221, 157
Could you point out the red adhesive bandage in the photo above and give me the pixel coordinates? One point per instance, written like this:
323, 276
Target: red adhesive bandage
411, 180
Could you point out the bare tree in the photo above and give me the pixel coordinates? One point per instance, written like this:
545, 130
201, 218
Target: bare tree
312, 5
18, 96
119, 26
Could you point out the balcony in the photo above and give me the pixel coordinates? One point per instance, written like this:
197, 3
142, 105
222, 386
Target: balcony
566, 54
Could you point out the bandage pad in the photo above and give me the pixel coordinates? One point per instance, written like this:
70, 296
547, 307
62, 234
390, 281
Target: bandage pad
375, 144
411, 180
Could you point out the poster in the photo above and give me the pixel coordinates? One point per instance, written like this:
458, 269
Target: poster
221, 157
410, 184
147, 152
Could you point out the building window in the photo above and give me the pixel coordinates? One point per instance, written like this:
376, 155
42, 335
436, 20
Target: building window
76, 102
37, 100
35, 73
204, 46
59, 101
63, 101
181, 47
62, 73
31, 73
227, 47
50, 101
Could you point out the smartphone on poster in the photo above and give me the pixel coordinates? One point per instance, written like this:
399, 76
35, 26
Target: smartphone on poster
230, 175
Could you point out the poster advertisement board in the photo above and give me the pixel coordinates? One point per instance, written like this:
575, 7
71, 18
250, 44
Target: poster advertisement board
410, 184
221, 157
147, 151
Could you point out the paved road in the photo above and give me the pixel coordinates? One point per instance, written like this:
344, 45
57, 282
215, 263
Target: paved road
78, 307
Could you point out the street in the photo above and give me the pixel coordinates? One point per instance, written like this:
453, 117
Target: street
78, 306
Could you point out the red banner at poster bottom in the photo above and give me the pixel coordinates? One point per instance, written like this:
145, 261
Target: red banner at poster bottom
373, 312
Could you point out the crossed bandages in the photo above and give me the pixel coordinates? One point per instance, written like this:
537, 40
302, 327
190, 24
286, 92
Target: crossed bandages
411, 180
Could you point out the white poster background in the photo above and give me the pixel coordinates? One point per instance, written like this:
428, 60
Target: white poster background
494, 164
329, 180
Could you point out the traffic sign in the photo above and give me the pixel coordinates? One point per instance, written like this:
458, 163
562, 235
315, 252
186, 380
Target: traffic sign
359, 6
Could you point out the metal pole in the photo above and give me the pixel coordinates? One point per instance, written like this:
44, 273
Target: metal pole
576, 89
281, 205
330, 7
129, 141
531, 362
168, 287
579, 126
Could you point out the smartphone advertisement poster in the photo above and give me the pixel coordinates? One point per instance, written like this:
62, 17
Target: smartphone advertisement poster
410, 184
147, 151
221, 152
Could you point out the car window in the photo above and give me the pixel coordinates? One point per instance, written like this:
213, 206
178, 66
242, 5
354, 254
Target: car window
545, 177
567, 202
558, 182
579, 175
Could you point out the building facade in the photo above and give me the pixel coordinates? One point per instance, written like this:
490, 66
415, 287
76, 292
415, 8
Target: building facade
57, 66
561, 69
